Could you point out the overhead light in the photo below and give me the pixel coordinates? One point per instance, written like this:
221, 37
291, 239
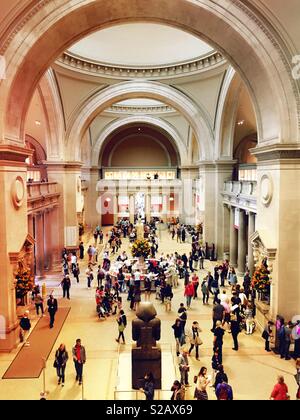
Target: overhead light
108, 200
171, 198
37, 122
139, 129
241, 122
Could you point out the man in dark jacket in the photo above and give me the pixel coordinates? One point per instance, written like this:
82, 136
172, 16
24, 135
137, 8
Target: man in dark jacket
25, 326
52, 309
66, 285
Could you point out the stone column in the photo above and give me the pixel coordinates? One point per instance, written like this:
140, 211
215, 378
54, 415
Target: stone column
48, 247
39, 245
278, 221
165, 207
226, 228
68, 176
242, 243
233, 239
131, 207
13, 230
148, 207
212, 176
251, 230
92, 211
116, 208
188, 211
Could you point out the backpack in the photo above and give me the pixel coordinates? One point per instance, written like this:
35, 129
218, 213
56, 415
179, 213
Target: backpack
223, 394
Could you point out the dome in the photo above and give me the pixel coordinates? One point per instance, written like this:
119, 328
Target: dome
140, 45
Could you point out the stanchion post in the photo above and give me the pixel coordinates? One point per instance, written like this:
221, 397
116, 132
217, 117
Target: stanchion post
44, 393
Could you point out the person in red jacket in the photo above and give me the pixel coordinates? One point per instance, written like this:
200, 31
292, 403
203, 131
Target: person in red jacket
280, 391
189, 293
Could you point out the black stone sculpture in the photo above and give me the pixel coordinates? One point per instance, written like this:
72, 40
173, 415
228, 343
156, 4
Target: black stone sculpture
146, 357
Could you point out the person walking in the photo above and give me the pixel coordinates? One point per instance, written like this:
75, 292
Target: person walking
218, 339
81, 251
25, 326
224, 391
218, 314
195, 281
39, 304
52, 309
189, 293
60, 362
183, 318
205, 291
122, 324
177, 327
79, 357
280, 390
66, 285
178, 391
249, 319
267, 335
194, 338
287, 340
184, 367
202, 382
235, 330
76, 272
148, 388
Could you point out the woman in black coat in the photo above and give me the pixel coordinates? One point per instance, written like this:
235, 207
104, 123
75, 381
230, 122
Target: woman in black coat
148, 388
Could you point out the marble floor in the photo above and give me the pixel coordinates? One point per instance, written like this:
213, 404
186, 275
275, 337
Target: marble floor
251, 371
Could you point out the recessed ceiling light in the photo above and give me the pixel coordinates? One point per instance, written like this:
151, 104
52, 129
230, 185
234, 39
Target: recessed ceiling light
38, 122
241, 122
108, 200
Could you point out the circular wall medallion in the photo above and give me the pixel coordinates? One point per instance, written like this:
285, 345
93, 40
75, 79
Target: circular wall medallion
266, 189
18, 192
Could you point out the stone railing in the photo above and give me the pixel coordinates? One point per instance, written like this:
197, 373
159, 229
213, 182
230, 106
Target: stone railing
241, 194
41, 195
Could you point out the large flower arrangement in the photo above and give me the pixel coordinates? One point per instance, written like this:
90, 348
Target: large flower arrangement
140, 248
24, 282
260, 279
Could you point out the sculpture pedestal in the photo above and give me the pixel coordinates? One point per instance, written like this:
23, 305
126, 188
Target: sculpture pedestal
146, 361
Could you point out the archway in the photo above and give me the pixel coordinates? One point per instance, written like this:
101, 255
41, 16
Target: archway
89, 109
259, 54
160, 124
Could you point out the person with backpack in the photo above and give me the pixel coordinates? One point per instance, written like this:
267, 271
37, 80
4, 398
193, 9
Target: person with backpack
122, 323
224, 391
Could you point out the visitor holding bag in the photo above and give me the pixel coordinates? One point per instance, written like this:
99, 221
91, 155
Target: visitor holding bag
60, 362
194, 338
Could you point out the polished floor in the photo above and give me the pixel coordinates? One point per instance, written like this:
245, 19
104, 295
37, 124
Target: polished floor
252, 372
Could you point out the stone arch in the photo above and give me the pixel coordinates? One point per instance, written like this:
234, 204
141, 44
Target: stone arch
55, 133
150, 120
242, 32
226, 115
87, 111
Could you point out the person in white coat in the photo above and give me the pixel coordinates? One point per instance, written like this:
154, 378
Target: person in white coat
194, 338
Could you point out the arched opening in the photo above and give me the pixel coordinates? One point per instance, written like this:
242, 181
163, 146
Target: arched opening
254, 53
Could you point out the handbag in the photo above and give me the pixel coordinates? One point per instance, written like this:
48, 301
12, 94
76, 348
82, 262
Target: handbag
195, 379
198, 341
55, 365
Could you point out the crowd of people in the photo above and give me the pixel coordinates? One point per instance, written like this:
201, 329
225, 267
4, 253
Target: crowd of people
120, 277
